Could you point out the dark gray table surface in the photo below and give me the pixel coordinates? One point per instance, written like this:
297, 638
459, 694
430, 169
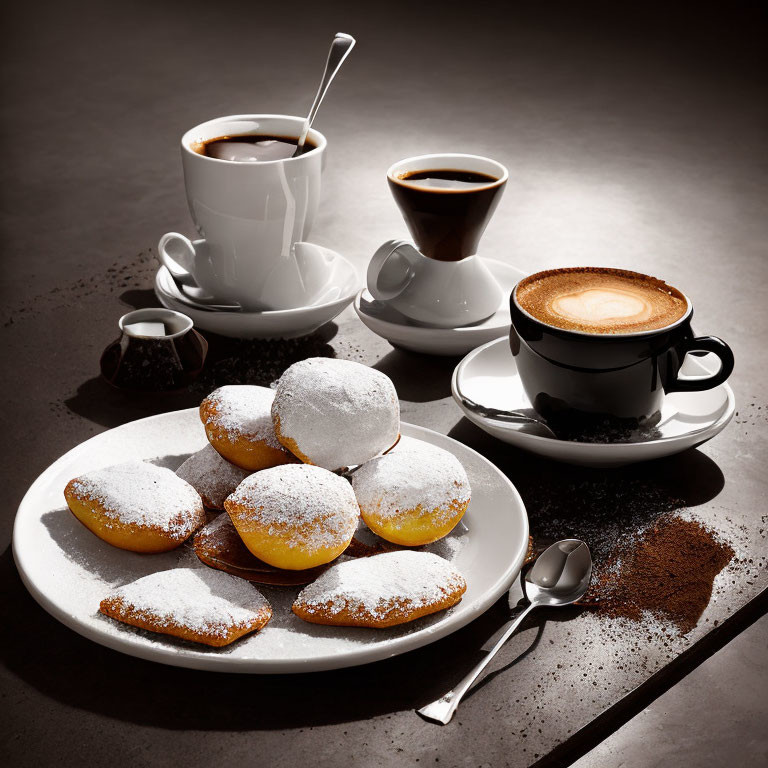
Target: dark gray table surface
634, 137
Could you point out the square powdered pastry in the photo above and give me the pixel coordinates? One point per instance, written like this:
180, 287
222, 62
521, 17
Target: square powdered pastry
197, 604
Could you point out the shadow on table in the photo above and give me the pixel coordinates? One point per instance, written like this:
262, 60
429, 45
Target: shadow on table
229, 361
418, 378
74, 671
560, 497
139, 298
101, 403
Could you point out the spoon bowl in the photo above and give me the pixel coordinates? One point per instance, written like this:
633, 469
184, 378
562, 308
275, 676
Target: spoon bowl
560, 575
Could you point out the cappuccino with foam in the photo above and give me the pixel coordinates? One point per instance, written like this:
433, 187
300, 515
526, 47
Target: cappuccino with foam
601, 300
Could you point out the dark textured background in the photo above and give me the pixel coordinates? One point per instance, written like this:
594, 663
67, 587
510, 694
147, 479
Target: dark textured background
634, 137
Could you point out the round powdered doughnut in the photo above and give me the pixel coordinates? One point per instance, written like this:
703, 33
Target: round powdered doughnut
413, 495
137, 506
381, 591
335, 413
212, 476
238, 423
295, 516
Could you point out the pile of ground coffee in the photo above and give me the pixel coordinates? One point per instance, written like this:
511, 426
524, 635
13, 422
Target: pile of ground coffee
667, 570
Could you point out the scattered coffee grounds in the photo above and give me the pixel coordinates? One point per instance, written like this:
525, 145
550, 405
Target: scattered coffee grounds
585, 428
601, 508
257, 361
667, 570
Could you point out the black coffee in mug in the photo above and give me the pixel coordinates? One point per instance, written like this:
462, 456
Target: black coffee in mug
250, 148
446, 210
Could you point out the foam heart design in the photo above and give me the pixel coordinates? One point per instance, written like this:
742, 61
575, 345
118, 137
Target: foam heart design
596, 305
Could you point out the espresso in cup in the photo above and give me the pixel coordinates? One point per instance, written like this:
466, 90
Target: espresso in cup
447, 206
597, 348
601, 300
250, 148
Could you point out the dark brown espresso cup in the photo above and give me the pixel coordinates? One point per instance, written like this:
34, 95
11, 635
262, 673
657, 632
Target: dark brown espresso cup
598, 345
447, 201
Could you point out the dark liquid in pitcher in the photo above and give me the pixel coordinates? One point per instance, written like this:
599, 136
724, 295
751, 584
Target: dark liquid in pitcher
446, 210
251, 148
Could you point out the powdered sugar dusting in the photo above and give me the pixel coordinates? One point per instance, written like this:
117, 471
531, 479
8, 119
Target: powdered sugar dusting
212, 476
370, 585
340, 413
143, 494
245, 411
414, 474
317, 506
201, 600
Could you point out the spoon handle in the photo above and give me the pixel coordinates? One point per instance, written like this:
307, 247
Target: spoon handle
441, 710
340, 47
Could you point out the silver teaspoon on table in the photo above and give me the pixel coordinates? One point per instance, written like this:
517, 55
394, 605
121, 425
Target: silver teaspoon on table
560, 576
340, 47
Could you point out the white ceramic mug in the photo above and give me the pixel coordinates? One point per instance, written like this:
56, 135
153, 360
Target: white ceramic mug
250, 215
446, 294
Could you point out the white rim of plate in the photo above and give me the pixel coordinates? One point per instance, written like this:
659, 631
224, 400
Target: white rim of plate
176, 656
580, 445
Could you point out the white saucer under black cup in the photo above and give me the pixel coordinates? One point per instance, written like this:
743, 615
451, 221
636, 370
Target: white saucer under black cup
488, 376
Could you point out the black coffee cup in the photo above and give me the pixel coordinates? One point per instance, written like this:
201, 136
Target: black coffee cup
578, 379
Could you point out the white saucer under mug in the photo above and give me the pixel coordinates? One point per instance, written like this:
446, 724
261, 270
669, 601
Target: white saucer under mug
488, 376
402, 332
341, 285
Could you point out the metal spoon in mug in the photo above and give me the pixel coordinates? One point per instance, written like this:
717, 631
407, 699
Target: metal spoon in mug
340, 47
560, 576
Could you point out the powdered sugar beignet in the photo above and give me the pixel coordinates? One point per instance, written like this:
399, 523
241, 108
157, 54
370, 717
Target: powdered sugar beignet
381, 591
335, 413
197, 604
136, 506
238, 423
295, 516
414, 495
212, 476
218, 545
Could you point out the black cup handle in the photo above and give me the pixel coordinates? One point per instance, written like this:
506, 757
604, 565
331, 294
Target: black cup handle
703, 344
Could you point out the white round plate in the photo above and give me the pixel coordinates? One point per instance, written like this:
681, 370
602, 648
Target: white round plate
488, 376
68, 570
399, 331
343, 284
